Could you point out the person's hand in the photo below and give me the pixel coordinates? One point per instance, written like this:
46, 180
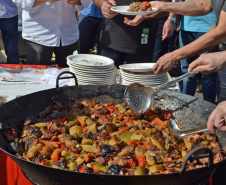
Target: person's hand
155, 4
106, 11
74, 2
217, 119
165, 63
168, 29
208, 63
136, 21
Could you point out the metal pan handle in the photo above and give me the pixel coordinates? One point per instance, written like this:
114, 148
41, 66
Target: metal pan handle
67, 77
191, 158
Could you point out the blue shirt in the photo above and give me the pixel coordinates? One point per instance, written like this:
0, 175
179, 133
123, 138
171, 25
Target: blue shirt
92, 11
198, 23
7, 9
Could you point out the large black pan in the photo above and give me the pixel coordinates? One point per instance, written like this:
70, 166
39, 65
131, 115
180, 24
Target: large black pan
189, 110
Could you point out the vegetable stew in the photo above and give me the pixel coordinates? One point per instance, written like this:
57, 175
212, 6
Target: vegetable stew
106, 138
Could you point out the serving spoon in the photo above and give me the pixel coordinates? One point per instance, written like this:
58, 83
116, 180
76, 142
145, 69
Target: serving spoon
139, 98
180, 134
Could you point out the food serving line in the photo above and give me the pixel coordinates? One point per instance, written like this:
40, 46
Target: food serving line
181, 105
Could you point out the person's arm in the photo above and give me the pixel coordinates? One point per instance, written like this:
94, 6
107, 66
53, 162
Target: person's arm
217, 119
189, 8
105, 7
202, 44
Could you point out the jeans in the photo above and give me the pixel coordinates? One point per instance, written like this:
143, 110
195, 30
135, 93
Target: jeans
9, 30
161, 47
208, 81
121, 57
89, 28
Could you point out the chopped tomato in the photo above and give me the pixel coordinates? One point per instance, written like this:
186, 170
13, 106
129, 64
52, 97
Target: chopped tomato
120, 116
111, 108
146, 144
141, 160
122, 129
74, 150
145, 4
82, 169
54, 138
105, 117
95, 169
62, 145
135, 142
159, 122
127, 120
131, 163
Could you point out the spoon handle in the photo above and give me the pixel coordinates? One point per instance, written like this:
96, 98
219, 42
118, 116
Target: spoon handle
194, 131
178, 79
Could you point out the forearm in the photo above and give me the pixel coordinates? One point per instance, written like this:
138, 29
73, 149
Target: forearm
189, 8
213, 27
223, 58
98, 3
202, 44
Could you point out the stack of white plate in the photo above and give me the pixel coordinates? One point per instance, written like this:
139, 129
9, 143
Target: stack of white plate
141, 73
92, 69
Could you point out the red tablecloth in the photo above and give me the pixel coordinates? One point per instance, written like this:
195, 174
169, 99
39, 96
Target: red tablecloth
10, 173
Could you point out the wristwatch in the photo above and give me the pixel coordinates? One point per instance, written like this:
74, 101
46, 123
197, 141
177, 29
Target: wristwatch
173, 19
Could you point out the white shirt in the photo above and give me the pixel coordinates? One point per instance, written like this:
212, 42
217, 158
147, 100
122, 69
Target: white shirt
49, 23
7, 9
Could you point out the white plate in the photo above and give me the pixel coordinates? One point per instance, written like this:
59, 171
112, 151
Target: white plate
124, 10
89, 68
146, 80
94, 75
96, 61
102, 73
144, 83
138, 67
143, 75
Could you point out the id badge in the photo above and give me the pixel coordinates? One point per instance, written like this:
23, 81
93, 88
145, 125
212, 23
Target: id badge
144, 35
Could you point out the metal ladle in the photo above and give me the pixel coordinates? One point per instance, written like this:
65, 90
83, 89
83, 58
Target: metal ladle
139, 98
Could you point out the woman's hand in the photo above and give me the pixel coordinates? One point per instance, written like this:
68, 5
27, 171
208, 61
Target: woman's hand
106, 11
217, 118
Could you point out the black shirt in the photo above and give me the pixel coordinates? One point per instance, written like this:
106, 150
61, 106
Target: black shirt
117, 35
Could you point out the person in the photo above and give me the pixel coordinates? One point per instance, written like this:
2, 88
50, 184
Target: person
50, 26
192, 28
207, 64
90, 21
212, 38
9, 30
120, 41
